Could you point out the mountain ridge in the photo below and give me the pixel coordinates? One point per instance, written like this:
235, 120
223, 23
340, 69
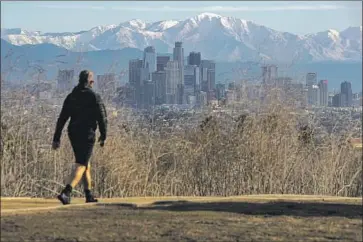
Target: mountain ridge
216, 37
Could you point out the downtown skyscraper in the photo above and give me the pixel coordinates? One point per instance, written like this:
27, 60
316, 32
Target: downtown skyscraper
150, 58
208, 78
269, 74
313, 89
138, 74
346, 94
172, 82
191, 82
323, 95
161, 62
194, 59
178, 57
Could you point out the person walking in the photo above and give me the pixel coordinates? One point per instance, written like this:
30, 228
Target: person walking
85, 109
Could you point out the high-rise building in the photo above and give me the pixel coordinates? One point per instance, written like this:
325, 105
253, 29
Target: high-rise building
323, 95
269, 74
135, 67
178, 53
330, 99
191, 79
159, 78
172, 80
161, 62
178, 56
149, 94
194, 59
336, 100
138, 74
315, 95
106, 83
221, 91
208, 75
346, 91
150, 58
203, 100
212, 76
65, 80
311, 79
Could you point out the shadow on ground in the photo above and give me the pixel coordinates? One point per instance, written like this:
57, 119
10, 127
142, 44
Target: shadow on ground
298, 209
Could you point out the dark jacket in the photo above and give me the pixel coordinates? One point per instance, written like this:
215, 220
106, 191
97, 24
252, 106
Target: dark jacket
86, 109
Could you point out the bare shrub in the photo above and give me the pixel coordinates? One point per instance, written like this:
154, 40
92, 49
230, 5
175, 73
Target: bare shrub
260, 152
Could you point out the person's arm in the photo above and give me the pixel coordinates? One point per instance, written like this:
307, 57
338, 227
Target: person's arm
62, 119
101, 117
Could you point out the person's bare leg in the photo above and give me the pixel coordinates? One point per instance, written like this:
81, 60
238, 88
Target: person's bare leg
86, 179
87, 184
77, 174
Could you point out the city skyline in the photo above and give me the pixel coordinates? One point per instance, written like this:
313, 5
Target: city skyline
336, 15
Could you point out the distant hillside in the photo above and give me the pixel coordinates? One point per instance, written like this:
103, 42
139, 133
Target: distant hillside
21, 62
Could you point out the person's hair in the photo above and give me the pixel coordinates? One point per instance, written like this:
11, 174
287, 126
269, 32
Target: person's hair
83, 77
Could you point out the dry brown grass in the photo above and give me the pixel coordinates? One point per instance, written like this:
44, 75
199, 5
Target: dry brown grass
265, 157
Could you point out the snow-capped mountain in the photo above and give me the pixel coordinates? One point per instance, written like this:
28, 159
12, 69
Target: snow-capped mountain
217, 37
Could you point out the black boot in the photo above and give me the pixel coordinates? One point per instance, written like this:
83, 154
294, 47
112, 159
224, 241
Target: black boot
65, 196
89, 197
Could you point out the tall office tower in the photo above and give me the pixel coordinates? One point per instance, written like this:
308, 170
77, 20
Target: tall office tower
311, 79
221, 91
194, 59
178, 53
137, 75
203, 101
106, 83
269, 74
161, 62
172, 80
65, 80
149, 94
135, 67
336, 100
150, 58
330, 99
346, 92
212, 76
178, 56
315, 95
159, 78
191, 80
208, 75
323, 94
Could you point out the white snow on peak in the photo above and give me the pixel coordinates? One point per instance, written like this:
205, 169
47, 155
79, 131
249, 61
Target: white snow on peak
207, 15
217, 36
162, 25
334, 32
169, 24
137, 23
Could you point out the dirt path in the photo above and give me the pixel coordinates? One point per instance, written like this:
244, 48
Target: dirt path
259, 218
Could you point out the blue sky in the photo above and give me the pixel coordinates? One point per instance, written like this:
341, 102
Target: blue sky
296, 17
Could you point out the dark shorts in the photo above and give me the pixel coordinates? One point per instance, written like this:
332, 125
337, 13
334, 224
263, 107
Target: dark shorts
82, 144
